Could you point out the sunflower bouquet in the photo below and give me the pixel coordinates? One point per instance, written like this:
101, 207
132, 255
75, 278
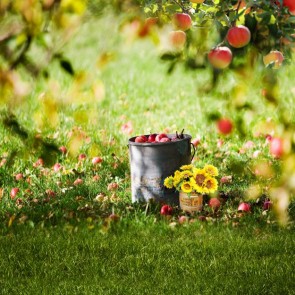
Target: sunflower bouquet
190, 179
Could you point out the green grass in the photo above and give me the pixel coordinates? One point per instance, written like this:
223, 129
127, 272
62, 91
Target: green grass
65, 244
148, 259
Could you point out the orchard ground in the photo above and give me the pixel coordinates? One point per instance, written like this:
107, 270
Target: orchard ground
72, 227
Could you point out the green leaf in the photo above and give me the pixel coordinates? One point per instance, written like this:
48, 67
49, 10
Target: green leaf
170, 56
67, 66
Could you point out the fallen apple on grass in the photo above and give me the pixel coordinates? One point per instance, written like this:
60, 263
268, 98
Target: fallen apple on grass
245, 207
214, 203
96, 160
267, 205
166, 210
183, 219
13, 193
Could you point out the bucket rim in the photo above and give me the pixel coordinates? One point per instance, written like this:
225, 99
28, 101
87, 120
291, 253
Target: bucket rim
170, 135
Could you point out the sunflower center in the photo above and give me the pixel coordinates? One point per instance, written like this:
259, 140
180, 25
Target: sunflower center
200, 179
209, 184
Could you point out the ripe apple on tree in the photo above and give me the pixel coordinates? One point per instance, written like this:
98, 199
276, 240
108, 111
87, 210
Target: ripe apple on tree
220, 57
238, 36
245, 207
288, 3
177, 39
182, 21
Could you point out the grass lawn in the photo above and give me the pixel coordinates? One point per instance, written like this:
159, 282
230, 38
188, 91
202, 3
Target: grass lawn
148, 259
56, 235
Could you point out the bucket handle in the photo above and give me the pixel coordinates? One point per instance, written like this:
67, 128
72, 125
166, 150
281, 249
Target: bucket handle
194, 151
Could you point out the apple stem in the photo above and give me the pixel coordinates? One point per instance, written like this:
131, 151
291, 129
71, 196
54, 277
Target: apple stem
180, 5
237, 11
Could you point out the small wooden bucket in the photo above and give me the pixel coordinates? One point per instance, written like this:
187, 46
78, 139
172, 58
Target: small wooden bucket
190, 202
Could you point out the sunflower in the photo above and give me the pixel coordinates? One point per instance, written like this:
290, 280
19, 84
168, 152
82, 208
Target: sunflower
185, 175
211, 184
169, 182
199, 176
211, 170
186, 167
200, 189
186, 187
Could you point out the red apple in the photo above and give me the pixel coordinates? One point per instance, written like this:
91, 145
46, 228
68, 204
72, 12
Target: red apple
165, 139
39, 163
267, 205
177, 39
57, 167
78, 181
145, 28
152, 137
238, 36
220, 57
166, 210
183, 219
96, 160
14, 191
224, 126
160, 136
244, 207
63, 150
19, 176
276, 147
214, 203
141, 138
113, 186
82, 157
182, 21
290, 4
196, 141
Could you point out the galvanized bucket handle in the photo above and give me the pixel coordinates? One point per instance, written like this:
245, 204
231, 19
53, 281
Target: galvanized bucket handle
194, 151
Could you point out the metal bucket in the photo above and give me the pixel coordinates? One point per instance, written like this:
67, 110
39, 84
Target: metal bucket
151, 163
